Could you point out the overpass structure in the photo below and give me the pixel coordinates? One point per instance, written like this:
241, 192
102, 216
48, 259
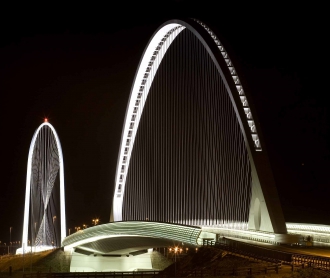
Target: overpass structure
123, 246
127, 245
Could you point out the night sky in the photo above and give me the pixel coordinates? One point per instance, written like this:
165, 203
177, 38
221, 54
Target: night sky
76, 66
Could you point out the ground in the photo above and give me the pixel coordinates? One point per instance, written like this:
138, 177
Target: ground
48, 261
209, 259
206, 259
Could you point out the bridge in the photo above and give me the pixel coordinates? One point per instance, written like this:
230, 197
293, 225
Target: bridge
192, 164
44, 181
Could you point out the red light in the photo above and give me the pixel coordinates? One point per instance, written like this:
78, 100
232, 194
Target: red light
46, 120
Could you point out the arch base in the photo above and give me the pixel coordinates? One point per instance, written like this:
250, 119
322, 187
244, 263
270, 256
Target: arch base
259, 218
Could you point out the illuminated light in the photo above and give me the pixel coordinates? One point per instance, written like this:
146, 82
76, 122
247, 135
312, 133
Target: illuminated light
95, 221
46, 120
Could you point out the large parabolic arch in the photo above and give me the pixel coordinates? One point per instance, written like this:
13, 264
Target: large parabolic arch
208, 165
45, 167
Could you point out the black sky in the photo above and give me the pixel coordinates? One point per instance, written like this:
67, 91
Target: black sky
75, 65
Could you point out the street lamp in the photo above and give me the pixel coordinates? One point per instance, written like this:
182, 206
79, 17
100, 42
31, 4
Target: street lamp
54, 217
85, 226
175, 250
95, 221
9, 240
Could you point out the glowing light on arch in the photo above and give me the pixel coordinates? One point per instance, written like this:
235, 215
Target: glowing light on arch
151, 59
28, 185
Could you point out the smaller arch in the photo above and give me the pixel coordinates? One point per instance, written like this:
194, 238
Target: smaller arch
28, 185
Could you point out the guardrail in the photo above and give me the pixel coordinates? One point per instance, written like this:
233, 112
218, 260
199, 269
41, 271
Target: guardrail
239, 271
243, 271
134, 274
141, 274
311, 261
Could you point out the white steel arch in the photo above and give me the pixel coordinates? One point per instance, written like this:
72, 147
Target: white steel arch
28, 186
262, 179
151, 59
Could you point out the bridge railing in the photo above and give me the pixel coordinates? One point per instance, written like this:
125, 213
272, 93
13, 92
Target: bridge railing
251, 251
241, 271
141, 274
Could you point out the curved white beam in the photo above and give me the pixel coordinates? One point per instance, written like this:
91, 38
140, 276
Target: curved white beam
172, 232
28, 186
147, 69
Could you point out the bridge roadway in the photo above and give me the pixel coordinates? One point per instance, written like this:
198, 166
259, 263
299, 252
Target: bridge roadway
319, 249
